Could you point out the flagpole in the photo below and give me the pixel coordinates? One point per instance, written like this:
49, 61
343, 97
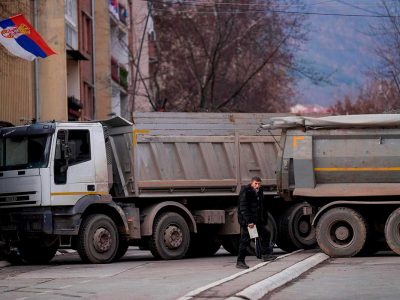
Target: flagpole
37, 102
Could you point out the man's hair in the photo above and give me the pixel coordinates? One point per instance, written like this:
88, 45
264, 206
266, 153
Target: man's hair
256, 179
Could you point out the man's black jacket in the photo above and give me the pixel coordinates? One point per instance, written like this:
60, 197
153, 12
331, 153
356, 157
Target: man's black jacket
251, 207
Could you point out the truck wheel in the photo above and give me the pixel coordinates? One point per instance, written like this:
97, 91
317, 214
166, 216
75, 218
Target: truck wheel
35, 252
203, 244
392, 231
272, 228
341, 232
171, 236
231, 243
98, 240
122, 248
295, 230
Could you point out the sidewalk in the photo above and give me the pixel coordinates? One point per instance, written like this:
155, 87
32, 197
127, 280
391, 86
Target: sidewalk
261, 279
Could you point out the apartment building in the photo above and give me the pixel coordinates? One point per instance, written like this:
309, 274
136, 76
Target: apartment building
92, 74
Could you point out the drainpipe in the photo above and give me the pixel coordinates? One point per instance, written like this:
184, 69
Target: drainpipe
36, 80
94, 62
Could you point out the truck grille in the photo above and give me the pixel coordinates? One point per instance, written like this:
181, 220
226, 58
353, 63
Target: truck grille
22, 198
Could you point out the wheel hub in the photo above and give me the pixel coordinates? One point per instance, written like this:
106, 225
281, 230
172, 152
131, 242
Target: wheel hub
342, 233
304, 227
102, 240
173, 237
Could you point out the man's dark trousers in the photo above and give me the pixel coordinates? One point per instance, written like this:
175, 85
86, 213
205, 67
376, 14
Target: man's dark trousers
264, 237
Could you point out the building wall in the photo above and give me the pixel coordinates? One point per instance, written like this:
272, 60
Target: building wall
85, 66
120, 56
16, 75
53, 69
102, 60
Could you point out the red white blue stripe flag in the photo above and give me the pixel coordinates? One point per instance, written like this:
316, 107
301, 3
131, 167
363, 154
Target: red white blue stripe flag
21, 39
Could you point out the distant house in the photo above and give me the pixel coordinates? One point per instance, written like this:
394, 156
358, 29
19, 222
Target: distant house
309, 109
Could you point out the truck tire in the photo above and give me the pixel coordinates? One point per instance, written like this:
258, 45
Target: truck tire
231, 243
171, 236
203, 244
272, 228
122, 248
341, 232
37, 252
392, 231
295, 230
98, 239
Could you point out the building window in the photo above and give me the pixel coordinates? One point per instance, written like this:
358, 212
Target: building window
86, 33
71, 12
71, 27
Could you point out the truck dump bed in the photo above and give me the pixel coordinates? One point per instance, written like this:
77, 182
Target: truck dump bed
341, 156
193, 154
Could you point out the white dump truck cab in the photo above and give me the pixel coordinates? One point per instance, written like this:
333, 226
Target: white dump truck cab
50, 173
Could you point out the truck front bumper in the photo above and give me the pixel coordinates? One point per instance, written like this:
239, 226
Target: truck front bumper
39, 220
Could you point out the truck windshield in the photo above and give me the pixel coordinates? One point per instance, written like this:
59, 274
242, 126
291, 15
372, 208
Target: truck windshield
24, 152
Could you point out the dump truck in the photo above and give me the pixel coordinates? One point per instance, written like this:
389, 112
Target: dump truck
346, 169
166, 182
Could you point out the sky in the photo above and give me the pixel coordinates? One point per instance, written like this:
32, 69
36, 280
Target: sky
339, 46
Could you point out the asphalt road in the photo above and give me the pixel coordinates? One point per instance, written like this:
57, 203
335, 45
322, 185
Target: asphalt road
363, 278
137, 276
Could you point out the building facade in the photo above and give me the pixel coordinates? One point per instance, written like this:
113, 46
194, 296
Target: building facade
92, 74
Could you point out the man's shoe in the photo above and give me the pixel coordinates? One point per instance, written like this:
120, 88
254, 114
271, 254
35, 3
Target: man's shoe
268, 257
241, 265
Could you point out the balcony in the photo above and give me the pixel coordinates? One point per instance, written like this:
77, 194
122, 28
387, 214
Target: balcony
119, 74
118, 15
114, 69
74, 109
123, 14
113, 8
123, 77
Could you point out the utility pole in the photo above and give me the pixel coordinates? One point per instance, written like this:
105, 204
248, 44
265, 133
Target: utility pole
138, 58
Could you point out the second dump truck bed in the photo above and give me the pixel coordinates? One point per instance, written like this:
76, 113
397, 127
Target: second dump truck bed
166, 154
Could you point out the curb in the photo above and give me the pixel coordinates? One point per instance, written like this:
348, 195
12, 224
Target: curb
197, 291
262, 288
4, 263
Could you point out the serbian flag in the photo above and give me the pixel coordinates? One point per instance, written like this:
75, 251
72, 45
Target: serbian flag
19, 37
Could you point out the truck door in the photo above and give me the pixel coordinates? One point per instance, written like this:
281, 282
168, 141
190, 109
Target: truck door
73, 172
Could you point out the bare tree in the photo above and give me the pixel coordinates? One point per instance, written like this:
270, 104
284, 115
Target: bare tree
382, 91
225, 56
378, 96
387, 48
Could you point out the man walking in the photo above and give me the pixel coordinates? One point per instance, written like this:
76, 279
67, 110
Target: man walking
251, 211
